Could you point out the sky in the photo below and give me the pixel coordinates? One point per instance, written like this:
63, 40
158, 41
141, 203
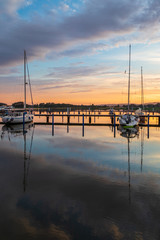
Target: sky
78, 50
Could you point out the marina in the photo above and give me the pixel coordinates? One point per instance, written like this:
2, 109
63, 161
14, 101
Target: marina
80, 120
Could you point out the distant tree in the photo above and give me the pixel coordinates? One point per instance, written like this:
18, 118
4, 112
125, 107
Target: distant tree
18, 105
1, 104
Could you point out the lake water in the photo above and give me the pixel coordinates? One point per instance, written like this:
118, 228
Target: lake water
65, 186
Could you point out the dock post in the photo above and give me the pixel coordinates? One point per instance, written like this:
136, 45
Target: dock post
112, 120
89, 119
114, 125
53, 124
148, 127
47, 119
68, 119
62, 117
83, 125
24, 122
158, 120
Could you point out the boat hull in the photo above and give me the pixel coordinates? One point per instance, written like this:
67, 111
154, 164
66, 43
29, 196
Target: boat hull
17, 119
128, 121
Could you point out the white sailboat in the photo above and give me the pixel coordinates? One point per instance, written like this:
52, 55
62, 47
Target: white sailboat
20, 117
128, 120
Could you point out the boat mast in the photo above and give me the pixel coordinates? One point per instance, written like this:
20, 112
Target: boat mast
129, 76
24, 80
142, 93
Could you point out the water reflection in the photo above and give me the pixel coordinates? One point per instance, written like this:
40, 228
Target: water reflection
129, 133
77, 189
142, 147
17, 130
27, 158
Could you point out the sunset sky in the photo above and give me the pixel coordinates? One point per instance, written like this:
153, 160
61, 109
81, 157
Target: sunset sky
78, 50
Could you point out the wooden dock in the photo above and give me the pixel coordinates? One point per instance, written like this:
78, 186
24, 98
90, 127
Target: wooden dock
89, 119
51, 119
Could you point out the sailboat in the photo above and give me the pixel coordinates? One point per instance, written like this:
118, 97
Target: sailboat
128, 120
23, 116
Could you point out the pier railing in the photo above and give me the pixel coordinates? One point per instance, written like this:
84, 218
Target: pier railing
51, 119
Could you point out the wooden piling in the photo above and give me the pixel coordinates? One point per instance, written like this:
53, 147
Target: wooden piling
24, 122
68, 119
53, 119
53, 124
148, 127
62, 117
83, 125
112, 120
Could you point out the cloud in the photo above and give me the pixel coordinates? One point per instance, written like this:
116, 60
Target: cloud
81, 91
10, 6
64, 7
98, 20
80, 50
9, 71
79, 71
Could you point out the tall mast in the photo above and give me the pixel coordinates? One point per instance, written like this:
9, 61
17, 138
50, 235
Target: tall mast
24, 80
142, 93
129, 76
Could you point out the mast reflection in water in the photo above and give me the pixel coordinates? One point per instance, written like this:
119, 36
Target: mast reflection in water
18, 130
129, 133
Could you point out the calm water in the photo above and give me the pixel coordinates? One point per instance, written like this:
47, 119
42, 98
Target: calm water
60, 185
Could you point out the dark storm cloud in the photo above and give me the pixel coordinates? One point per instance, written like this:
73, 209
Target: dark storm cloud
99, 19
